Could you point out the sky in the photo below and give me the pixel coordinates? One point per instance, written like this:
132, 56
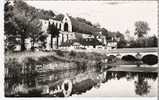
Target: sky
112, 15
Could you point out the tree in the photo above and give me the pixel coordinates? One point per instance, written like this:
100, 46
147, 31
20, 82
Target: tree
119, 36
10, 30
79, 37
141, 28
142, 86
21, 23
43, 41
35, 32
54, 32
25, 29
122, 43
105, 32
151, 41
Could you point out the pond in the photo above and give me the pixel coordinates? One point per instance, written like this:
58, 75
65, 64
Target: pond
83, 82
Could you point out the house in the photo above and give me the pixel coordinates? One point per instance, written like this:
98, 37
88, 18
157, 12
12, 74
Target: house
111, 45
69, 28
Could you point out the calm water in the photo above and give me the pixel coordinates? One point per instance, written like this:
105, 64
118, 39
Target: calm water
85, 82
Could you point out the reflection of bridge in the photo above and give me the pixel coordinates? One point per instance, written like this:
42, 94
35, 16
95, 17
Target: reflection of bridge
133, 52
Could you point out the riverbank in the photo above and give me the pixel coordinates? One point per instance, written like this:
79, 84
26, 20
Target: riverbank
21, 63
17, 64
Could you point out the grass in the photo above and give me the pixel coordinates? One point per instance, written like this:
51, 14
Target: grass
59, 60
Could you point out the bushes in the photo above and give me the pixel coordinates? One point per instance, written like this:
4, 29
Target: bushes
30, 65
14, 68
43, 60
84, 55
72, 53
59, 52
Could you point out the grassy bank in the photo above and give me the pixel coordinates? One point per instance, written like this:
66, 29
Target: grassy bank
17, 64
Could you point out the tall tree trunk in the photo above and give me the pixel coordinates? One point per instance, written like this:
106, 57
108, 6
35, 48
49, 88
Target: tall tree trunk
51, 44
57, 44
23, 44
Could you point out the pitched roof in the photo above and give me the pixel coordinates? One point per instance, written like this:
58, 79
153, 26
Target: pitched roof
59, 17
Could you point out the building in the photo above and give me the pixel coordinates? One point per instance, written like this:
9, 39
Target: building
111, 45
69, 29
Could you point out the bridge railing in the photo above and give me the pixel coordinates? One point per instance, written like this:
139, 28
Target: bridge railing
132, 50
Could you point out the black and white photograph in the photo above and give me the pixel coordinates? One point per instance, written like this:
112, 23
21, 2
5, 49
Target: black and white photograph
80, 48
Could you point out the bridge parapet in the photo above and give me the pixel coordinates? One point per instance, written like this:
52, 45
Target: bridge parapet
133, 51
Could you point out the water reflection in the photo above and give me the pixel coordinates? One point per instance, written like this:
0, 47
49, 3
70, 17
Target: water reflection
51, 84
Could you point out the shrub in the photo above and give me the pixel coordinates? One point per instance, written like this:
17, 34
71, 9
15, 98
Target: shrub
43, 60
72, 53
30, 64
59, 52
14, 67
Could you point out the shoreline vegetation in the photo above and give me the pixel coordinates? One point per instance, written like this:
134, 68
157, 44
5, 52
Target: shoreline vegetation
17, 64
21, 63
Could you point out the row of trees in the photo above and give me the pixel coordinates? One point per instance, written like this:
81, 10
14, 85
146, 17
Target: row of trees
141, 29
54, 32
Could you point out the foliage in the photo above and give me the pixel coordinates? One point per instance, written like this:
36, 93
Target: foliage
122, 44
84, 21
54, 32
36, 34
59, 52
39, 13
141, 28
72, 53
14, 67
21, 22
106, 33
82, 27
9, 27
142, 86
144, 42
119, 35
30, 64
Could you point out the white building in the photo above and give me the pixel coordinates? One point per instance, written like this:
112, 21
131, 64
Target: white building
67, 26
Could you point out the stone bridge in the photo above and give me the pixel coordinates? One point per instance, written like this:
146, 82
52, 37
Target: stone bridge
133, 52
124, 51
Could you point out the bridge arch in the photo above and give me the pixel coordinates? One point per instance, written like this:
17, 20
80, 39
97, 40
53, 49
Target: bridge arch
129, 58
150, 59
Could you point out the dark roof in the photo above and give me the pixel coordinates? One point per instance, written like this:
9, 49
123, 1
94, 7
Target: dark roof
59, 17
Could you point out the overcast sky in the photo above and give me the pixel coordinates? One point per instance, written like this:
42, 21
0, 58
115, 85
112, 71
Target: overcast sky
114, 16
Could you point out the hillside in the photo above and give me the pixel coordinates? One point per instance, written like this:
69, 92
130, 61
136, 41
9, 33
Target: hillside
21, 6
